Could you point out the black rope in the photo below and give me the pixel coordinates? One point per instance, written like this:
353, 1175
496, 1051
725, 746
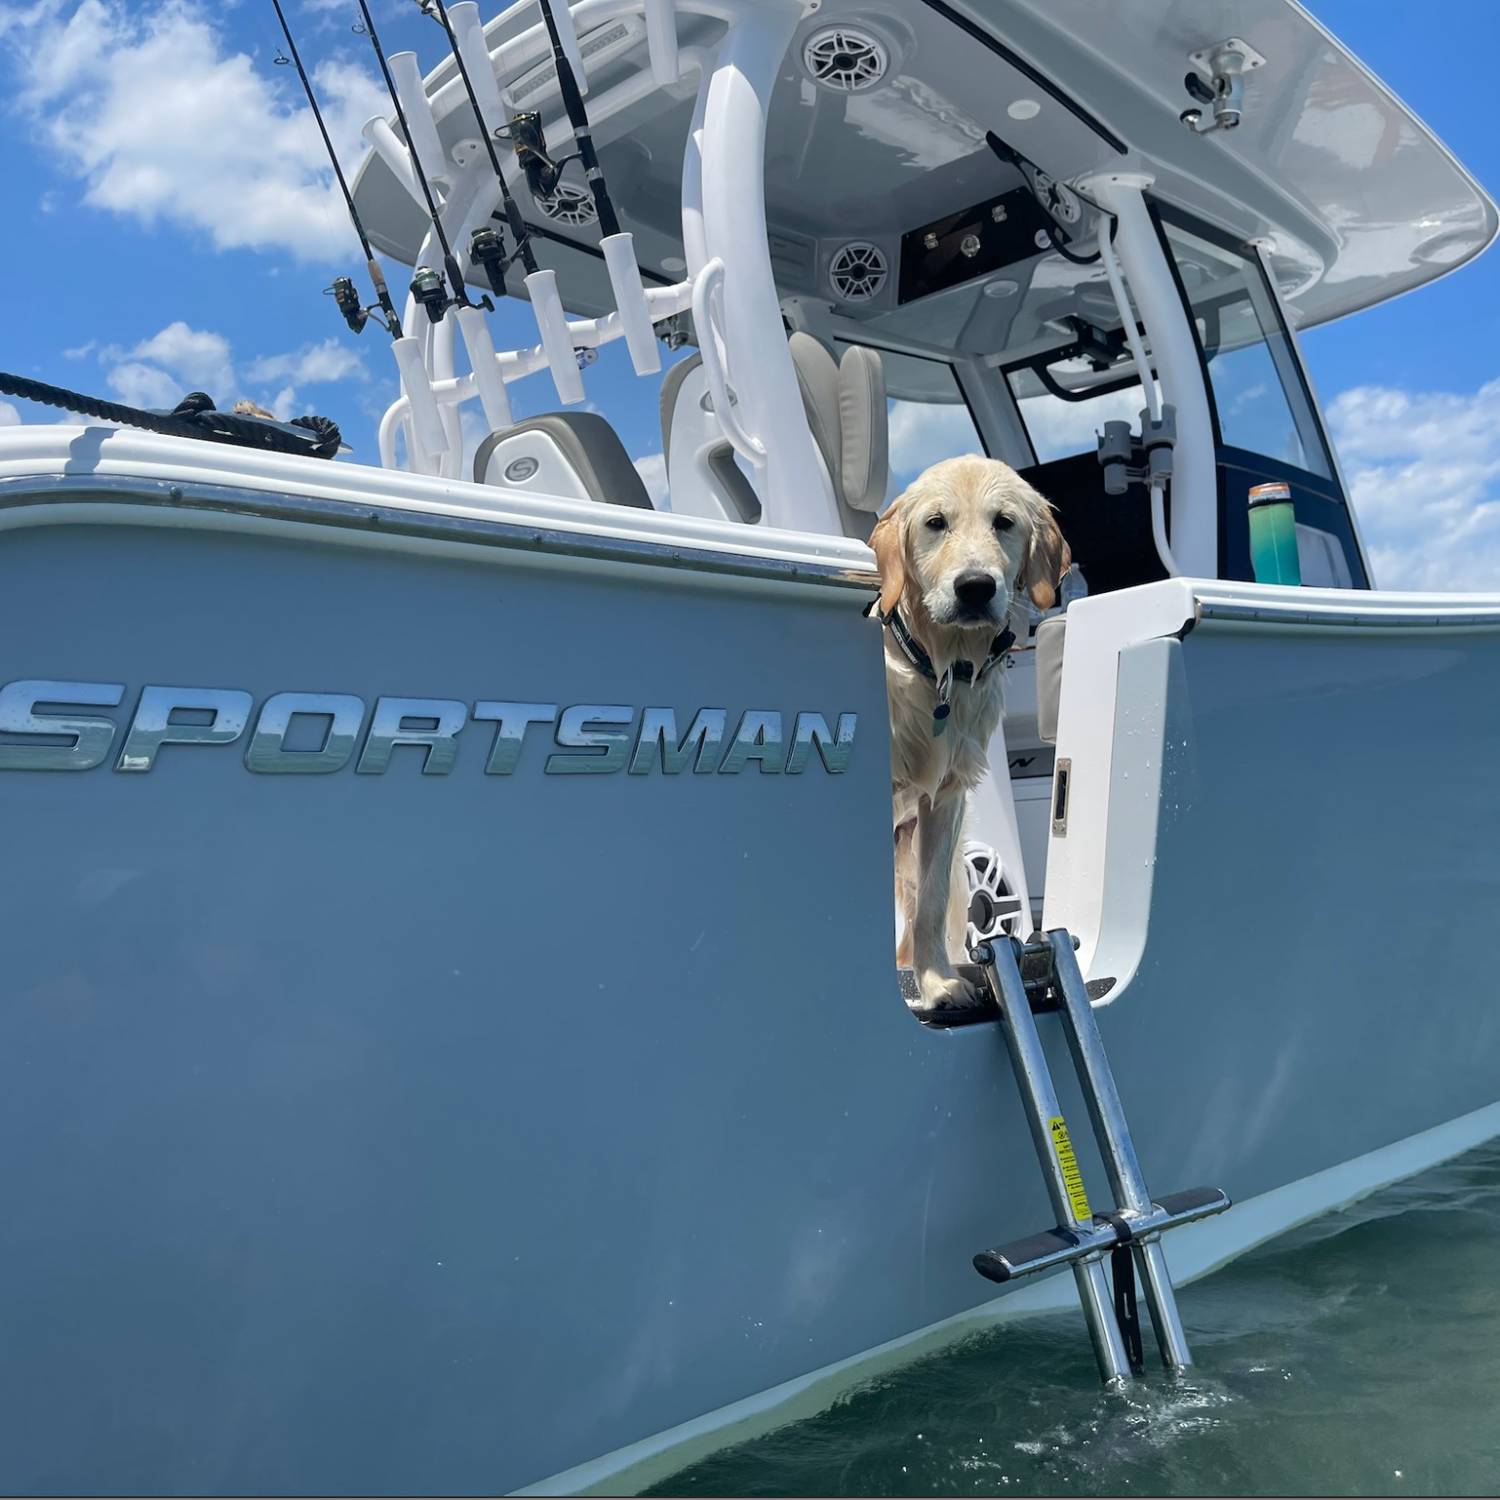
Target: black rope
193, 417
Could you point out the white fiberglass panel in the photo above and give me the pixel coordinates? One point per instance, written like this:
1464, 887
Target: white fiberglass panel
1363, 201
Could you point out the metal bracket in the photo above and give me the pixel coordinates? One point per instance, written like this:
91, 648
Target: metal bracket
1217, 81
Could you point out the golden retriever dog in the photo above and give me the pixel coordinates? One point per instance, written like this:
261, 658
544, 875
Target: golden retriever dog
953, 550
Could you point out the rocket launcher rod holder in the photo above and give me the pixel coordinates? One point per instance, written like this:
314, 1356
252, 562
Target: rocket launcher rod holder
426, 420
542, 172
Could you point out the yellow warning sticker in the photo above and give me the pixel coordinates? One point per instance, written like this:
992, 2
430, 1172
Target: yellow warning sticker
1078, 1199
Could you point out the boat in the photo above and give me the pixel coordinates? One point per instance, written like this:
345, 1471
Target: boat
452, 1040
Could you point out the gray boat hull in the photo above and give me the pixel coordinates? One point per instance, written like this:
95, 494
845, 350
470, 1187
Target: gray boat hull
402, 1132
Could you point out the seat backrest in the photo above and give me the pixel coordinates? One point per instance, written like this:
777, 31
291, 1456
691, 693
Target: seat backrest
702, 476
846, 412
845, 404
572, 453
1050, 639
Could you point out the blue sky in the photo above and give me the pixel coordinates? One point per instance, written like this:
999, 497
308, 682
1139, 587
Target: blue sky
169, 228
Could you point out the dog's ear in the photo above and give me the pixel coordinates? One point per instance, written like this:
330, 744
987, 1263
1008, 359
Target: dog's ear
1049, 558
888, 540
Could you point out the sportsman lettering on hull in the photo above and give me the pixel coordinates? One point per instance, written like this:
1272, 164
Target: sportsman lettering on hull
43, 728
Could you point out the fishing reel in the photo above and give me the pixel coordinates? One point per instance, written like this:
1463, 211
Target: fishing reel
530, 145
354, 313
346, 299
487, 250
429, 293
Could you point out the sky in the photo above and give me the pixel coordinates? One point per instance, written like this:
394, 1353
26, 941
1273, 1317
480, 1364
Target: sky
171, 227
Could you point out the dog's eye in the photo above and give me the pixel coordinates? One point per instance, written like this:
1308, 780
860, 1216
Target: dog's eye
1004, 522
937, 523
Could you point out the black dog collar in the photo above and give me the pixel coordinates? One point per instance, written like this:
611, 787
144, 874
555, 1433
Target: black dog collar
961, 671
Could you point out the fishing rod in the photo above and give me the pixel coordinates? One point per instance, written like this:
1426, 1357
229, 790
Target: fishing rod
487, 244
342, 291
531, 146
426, 286
543, 173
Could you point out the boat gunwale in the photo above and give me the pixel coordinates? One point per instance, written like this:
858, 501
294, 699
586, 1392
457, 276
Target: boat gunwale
20, 492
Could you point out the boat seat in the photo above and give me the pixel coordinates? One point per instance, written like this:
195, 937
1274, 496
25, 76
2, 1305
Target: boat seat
687, 410
1048, 642
846, 411
576, 454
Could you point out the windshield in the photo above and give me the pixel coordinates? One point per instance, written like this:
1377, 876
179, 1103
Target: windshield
1259, 397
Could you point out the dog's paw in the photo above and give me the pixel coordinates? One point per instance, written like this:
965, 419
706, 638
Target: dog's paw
937, 990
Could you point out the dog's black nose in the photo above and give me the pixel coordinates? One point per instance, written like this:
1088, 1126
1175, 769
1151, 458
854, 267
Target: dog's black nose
974, 589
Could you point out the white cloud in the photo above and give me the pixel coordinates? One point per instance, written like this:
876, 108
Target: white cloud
161, 122
652, 467
921, 433
144, 385
195, 355
327, 361
1059, 428
1424, 471
160, 370
9, 416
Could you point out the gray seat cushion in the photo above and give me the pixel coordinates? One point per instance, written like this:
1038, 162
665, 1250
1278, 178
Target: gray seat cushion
592, 449
845, 405
1049, 640
866, 466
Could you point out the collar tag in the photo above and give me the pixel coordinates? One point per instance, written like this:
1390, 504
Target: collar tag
944, 706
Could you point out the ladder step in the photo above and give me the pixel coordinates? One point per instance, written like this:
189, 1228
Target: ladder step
1023, 978
1057, 1247
1038, 1252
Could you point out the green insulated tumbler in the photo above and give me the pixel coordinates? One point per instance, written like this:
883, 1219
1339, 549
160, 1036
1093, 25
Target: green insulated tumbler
1273, 534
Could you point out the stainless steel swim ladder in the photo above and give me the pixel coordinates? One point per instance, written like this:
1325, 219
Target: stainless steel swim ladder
1129, 1236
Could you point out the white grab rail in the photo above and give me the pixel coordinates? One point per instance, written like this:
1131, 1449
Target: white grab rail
708, 293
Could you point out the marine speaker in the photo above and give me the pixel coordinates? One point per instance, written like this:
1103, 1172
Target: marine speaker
858, 271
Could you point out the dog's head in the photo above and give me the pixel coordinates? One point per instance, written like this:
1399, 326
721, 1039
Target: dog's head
962, 538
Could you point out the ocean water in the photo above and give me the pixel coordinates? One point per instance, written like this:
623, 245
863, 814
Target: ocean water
1359, 1355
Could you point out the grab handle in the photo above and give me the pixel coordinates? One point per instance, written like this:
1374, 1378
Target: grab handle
708, 293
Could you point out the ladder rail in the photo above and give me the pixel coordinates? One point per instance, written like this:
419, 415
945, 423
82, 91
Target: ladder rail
1034, 1079
1121, 1163
1084, 1239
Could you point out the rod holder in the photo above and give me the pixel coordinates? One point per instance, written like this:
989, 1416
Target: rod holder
567, 36
630, 301
661, 42
552, 324
387, 145
493, 396
431, 161
475, 51
426, 420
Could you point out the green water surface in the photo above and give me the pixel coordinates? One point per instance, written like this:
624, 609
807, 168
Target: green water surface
1357, 1356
